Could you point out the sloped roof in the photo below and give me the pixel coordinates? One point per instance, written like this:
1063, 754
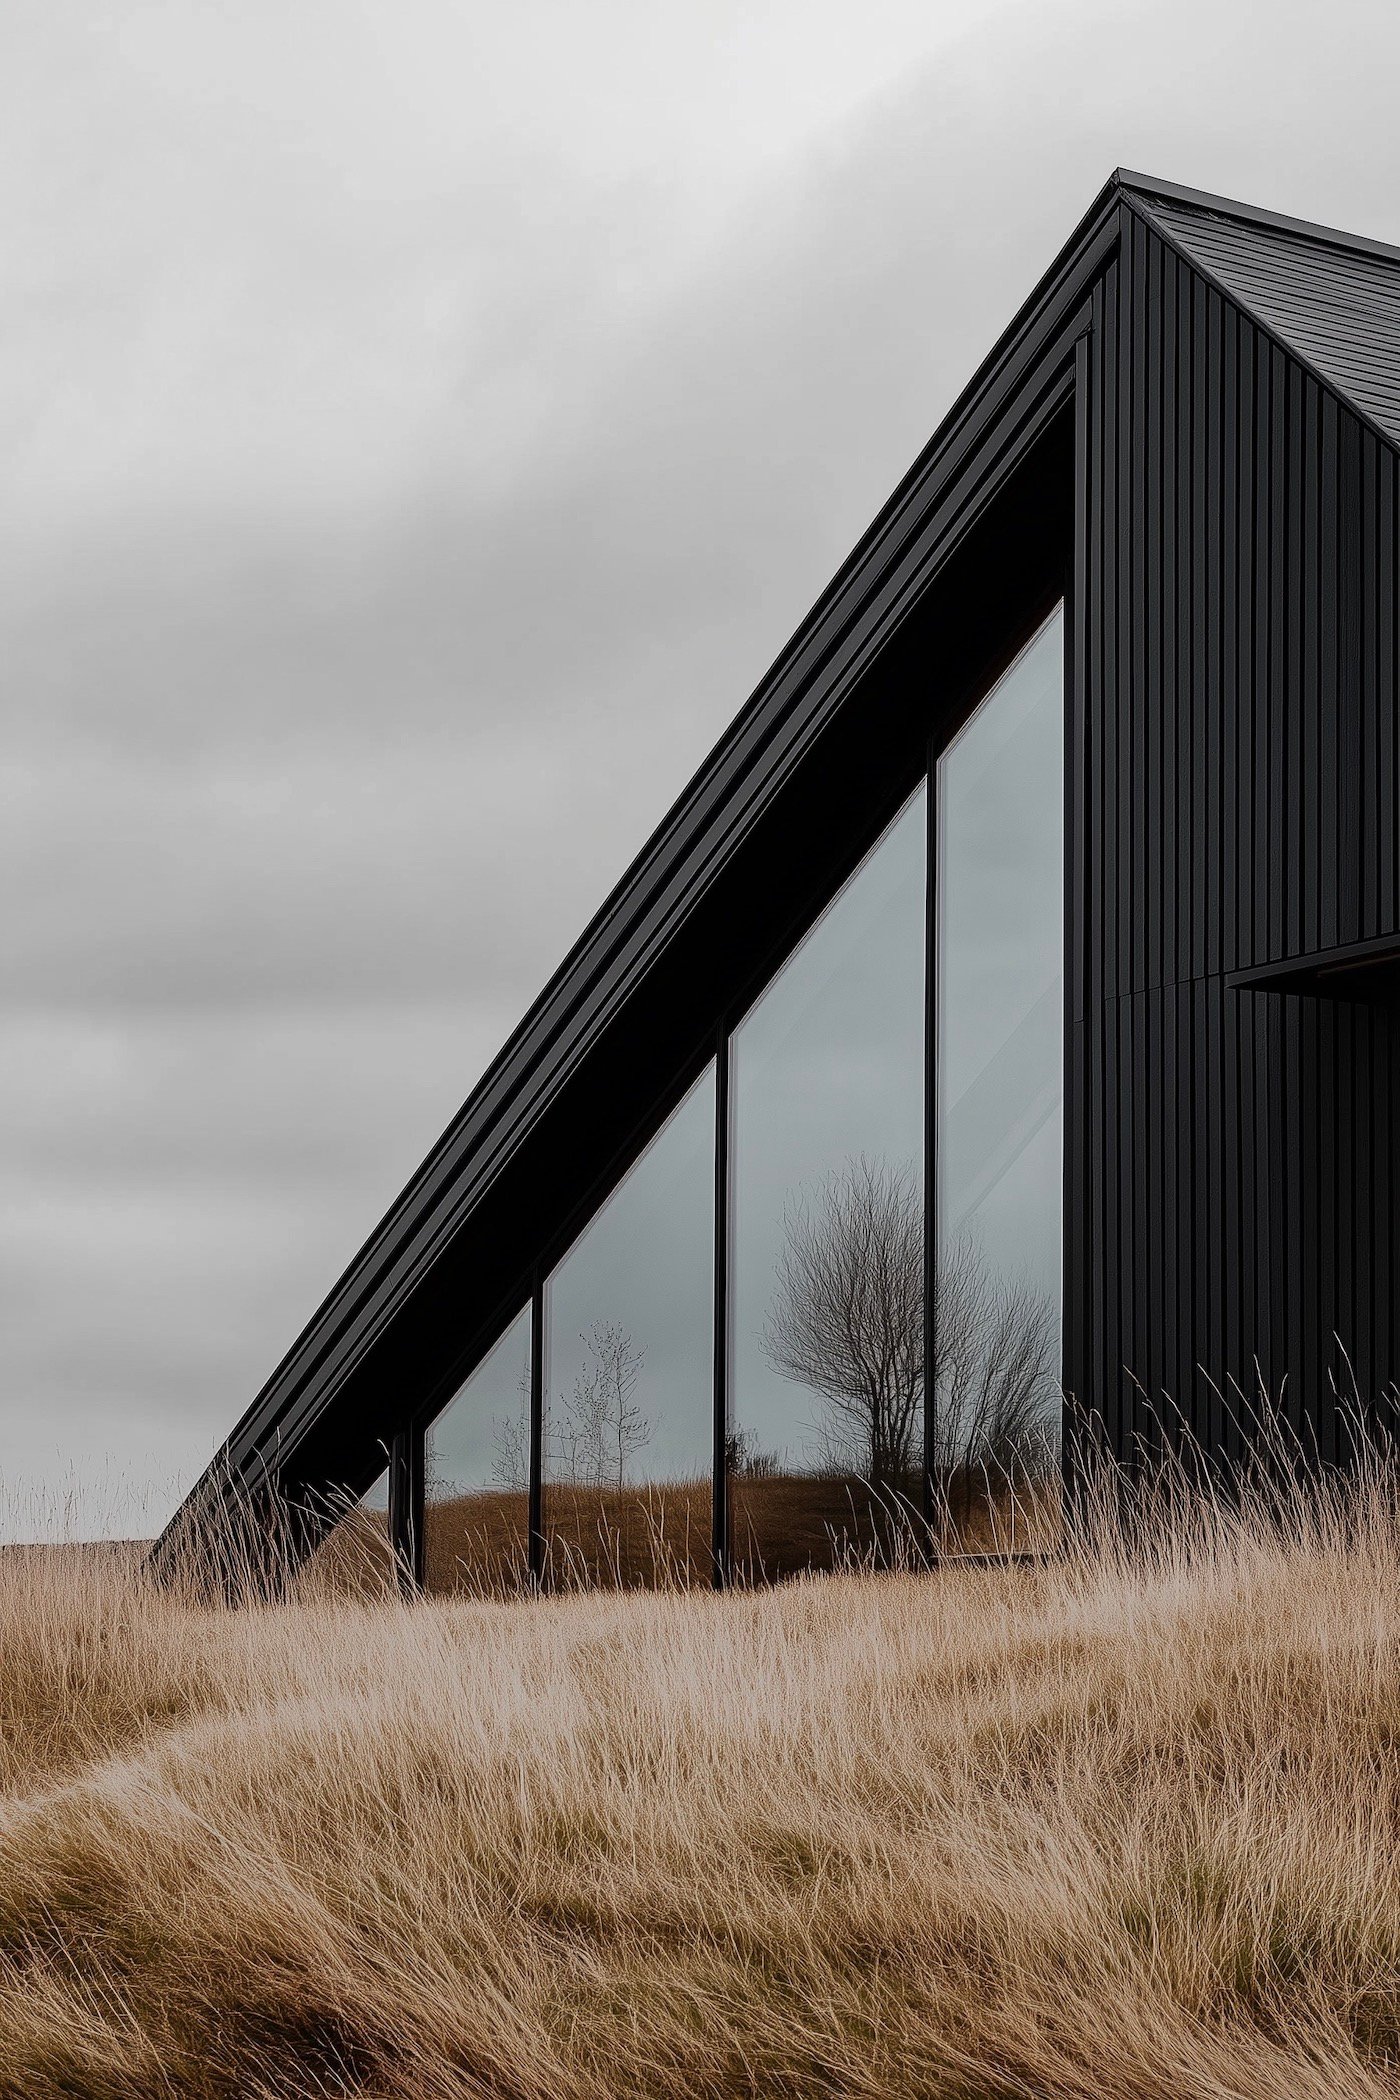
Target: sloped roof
1332, 299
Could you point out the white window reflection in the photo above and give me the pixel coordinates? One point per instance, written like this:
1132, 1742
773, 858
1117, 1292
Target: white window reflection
998, 1065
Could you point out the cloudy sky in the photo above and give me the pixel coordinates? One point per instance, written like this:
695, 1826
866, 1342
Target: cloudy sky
421, 422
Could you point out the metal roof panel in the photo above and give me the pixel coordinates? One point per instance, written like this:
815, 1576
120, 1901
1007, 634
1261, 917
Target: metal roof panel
1331, 300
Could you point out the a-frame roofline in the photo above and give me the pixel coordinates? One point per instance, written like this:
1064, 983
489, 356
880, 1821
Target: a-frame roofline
997, 420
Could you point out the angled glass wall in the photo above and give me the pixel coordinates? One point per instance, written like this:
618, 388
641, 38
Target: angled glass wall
827, 1235
476, 1465
998, 1141
827, 1231
628, 1380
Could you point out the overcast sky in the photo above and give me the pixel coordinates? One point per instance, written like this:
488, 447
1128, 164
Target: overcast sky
421, 423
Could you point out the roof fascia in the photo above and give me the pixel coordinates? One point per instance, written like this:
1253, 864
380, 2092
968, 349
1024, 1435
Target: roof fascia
851, 620
1141, 206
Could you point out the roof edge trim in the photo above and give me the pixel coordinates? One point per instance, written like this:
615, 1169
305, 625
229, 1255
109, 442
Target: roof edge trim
1148, 187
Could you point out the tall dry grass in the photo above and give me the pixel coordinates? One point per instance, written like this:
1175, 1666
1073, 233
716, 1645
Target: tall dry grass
1127, 1824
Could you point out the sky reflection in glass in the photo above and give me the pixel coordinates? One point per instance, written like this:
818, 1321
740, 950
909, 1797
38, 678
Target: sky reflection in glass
998, 1067
477, 1472
629, 1383
827, 1097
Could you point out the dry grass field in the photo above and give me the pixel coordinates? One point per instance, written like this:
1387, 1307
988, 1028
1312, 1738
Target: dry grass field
1127, 1824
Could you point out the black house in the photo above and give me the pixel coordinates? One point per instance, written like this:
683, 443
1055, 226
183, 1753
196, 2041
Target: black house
1011, 993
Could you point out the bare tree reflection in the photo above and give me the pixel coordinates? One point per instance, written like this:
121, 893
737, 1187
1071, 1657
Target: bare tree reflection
510, 1438
846, 1320
598, 1424
996, 1371
602, 1424
607, 1520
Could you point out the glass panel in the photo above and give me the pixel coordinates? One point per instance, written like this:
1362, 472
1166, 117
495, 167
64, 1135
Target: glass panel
477, 1476
355, 1556
629, 1399
827, 1093
999, 1092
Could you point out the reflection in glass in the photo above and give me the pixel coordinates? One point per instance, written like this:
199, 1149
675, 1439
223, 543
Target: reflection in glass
477, 1476
629, 1391
355, 1557
998, 1061
826, 1294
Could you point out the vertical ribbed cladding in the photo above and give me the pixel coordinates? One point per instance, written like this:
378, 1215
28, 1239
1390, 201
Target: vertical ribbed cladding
1231, 1149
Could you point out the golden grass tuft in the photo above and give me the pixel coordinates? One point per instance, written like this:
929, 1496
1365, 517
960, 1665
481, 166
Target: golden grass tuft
1123, 1825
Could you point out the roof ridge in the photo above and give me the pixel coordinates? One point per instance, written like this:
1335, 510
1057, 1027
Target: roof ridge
1154, 189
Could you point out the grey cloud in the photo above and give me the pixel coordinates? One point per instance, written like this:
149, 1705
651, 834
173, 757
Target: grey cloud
281, 1101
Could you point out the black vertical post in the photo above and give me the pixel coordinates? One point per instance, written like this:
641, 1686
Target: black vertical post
537, 1369
417, 1505
406, 1494
719, 1498
931, 895
400, 1519
1074, 1266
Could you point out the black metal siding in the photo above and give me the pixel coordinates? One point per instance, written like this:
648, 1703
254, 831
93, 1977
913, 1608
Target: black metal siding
1230, 1173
